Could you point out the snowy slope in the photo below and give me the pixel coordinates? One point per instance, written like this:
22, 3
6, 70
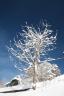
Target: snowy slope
54, 87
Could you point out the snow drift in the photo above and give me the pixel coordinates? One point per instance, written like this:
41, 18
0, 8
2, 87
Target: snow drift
53, 87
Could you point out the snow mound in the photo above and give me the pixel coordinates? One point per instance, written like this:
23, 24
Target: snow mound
53, 87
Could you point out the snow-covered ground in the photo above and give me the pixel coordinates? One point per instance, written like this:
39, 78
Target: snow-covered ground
54, 87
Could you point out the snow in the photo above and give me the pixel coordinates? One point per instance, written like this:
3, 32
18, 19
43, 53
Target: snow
53, 87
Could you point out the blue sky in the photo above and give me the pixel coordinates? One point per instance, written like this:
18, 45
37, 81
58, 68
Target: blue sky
14, 13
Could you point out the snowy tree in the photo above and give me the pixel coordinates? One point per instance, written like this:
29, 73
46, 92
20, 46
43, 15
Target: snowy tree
31, 44
46, 71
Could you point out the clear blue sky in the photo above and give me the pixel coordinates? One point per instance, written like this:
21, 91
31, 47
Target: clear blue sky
14, 13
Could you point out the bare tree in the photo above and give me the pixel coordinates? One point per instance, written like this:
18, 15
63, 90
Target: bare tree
31, 44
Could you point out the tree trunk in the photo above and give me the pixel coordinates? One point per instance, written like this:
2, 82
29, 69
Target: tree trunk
35, 73
34, 76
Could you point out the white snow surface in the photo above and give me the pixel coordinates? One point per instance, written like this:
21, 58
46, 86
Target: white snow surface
53, 87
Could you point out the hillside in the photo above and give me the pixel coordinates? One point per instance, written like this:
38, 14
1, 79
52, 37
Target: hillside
53, 87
